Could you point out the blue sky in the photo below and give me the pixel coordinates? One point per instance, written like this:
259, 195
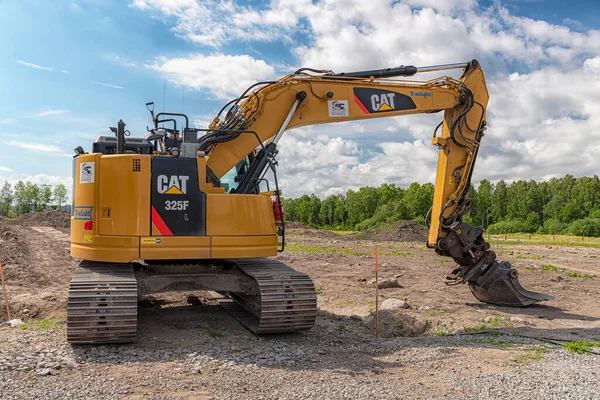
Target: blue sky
73, 68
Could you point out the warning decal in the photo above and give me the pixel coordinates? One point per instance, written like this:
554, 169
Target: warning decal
338, 108
86, 172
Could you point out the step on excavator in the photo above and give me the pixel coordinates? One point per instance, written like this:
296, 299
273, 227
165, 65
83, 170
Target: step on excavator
191, 209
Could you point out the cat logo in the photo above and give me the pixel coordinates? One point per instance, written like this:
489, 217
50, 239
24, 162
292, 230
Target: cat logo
372, 100
175, 184
383, 102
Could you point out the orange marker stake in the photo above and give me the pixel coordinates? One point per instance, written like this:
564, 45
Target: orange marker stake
5, 294
376, 291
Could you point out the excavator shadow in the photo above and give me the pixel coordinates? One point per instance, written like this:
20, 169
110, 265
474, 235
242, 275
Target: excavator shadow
541, 311
207, 337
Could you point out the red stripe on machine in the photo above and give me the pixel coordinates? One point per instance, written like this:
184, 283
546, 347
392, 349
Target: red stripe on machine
361, 105
160, 224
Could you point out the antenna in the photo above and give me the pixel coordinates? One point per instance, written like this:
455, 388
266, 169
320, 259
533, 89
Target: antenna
165, 95
182, 98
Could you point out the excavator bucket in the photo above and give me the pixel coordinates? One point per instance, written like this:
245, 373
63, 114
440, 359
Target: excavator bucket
500, 285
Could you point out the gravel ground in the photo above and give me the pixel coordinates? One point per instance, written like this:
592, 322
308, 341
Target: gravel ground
324, 363
199, 352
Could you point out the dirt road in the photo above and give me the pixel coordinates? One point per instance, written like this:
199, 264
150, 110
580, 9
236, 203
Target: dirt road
200, 352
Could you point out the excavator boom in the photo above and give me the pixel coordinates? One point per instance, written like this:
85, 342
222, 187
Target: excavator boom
321, 97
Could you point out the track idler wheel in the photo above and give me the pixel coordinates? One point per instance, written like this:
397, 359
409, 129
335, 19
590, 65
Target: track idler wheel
500, 285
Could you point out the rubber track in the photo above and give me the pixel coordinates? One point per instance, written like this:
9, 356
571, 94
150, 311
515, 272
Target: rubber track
102, 304
287, 300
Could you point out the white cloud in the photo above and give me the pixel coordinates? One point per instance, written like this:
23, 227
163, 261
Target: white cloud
330, 165
65, 71
109, 85
44, 148
4, 169
224, 75
543, 81
52, 112
215, 22
35, 66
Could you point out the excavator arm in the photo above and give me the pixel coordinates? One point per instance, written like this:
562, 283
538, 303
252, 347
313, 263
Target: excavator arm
309, 97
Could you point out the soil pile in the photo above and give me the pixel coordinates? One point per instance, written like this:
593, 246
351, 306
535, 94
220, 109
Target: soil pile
393, 323
298, 228
296, 225
13, 250
400, 231
52, 218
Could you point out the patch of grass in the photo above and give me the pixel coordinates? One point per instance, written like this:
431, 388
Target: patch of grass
341, 233
432, 312
399, 253
528, 257
496, 321
550, 267
343, 328
529, 356
574, 333
326, 250
559, 240
343, 302
214, 332
580, 346
442, 330
44, 324
319, 291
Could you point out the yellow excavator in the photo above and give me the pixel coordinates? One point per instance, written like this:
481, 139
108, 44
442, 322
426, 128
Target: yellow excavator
189, 209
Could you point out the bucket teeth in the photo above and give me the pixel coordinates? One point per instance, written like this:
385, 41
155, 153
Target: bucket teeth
500, 285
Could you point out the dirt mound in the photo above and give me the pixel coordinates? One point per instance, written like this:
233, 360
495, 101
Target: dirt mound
393, 323
296, 225
13, 250
400, 231
52, 218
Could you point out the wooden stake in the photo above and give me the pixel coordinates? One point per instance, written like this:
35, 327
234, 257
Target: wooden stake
5, 294
376, 291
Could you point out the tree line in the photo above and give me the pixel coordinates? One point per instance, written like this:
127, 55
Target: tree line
566, 205
27, 197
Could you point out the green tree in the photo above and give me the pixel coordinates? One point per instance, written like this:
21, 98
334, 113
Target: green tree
32, 194
6, 198
339, 211
20, 198
60, 195
304, 209
326, 212
418, 199
314, 206
484, 202
45, 196
499, 201
290, 209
